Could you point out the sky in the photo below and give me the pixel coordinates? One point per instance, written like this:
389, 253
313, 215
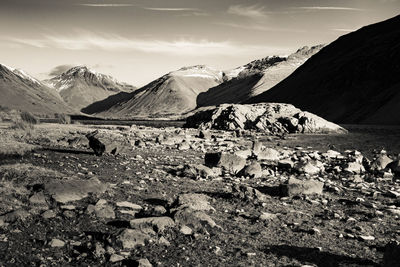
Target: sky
137, 41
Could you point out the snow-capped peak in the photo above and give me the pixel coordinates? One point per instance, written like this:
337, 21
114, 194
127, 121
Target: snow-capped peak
22, 74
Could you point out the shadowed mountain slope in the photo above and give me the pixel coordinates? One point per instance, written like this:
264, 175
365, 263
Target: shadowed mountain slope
355, 79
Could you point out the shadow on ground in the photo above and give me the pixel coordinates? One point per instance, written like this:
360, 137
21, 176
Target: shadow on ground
315, 256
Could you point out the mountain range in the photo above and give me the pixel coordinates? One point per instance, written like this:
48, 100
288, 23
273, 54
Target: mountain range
355, 79
81, 86
183, 90
21, 91
255, 78
172, 94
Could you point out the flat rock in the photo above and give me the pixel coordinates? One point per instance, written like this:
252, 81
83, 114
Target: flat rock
129, 205
268, 154
64, 191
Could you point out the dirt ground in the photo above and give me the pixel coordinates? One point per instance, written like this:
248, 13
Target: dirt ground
61, 205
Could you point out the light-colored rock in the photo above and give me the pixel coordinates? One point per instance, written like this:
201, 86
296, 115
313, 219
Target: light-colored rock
129, 205
194, 202
252, 170
302, 187
354, 167
268, 154
64, 191
56, 243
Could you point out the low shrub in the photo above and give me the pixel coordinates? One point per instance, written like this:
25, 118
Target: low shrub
29, 118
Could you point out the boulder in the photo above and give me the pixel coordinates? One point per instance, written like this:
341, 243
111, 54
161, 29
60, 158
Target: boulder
130, 238
252, 170
95, 144
302, 187
394, 166
268, 154
230, 162
64, 191
310, 167
270, 118
194, 201
381, 162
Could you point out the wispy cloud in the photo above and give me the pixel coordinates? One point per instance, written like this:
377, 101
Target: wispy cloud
106, 5
187, 47
257, 27
343, 30
171, 9
328, 8
254, 11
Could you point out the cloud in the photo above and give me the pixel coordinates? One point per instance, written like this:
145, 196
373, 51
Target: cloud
106, 5
343, 30
171, 9
186, 47
253, 11
332, 8
257, 27
59, 70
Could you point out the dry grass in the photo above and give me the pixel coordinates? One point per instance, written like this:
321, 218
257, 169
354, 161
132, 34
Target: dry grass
29, 118
12, 148
63, 118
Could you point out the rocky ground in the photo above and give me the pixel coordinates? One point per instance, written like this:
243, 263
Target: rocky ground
184, 197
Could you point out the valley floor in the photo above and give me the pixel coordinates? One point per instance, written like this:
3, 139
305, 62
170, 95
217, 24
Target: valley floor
61, 205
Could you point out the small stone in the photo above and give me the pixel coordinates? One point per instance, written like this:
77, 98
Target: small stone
38, 198
116, 258
186, 230
266, 216
48, 214
126, 204
56, 243
144, 263
367, 238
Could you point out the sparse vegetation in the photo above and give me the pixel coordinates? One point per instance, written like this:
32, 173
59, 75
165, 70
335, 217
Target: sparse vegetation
63, 118
29, 118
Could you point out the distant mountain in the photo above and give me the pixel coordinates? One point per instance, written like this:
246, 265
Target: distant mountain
255, 78
355, 79
81, 86
172, 94
19, 90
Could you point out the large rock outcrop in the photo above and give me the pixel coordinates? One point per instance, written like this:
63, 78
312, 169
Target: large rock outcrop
272, 118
